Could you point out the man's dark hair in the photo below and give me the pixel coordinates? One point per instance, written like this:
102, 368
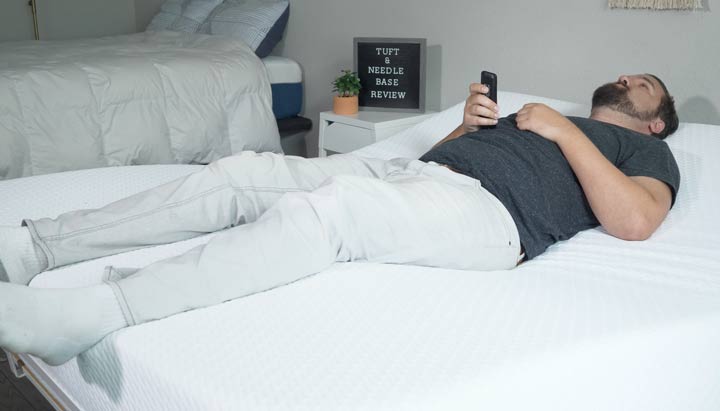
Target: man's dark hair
666, 112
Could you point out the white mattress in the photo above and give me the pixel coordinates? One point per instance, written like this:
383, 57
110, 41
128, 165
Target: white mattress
595, 323
282, 70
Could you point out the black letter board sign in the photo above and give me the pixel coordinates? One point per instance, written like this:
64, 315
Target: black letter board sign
392, 73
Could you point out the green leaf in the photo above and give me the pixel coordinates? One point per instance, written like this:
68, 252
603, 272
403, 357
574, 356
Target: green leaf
348, 84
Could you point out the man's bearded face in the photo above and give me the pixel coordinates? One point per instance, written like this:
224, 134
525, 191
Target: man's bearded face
615, 96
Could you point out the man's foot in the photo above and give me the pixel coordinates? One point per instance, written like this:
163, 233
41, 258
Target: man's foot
56, 324
19, 261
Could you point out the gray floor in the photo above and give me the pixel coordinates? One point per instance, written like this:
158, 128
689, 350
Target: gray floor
18, 394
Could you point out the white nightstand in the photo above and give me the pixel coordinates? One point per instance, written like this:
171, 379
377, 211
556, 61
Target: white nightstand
345, 133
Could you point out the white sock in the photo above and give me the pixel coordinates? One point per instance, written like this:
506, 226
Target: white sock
56, 324
19, 261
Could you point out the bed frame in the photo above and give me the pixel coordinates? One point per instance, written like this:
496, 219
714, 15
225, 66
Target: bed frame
292, 125
24, 366
292, 134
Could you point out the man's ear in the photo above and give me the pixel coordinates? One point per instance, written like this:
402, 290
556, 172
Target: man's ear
656, 126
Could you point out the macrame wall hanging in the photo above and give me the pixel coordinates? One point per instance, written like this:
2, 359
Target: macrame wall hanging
656, 4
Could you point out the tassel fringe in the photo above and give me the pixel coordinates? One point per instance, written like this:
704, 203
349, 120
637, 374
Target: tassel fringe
656, 4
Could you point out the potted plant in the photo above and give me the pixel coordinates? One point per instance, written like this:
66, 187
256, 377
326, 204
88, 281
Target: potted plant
347, 87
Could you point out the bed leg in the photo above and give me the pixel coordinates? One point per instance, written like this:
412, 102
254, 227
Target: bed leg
51, 393
16, 364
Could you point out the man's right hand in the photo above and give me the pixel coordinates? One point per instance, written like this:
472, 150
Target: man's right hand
479, 109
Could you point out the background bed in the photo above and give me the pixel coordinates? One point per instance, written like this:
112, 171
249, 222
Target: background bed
145, 98
595, 323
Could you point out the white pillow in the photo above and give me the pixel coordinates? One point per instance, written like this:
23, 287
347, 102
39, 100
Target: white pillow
511, 102
182, 15
259, 23
418, 139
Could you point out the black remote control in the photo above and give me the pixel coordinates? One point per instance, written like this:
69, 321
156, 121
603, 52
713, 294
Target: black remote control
490, 80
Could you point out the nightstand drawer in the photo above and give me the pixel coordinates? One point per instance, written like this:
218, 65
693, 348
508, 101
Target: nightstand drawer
343, 138
346, 133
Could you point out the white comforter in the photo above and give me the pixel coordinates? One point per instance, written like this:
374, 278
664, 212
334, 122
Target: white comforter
146, 98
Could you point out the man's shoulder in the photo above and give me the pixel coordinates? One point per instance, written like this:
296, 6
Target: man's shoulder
593, 127
589, 122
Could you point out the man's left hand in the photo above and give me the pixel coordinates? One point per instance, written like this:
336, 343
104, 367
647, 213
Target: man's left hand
543, 120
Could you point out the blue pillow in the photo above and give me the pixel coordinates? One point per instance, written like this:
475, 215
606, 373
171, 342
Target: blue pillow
259, 23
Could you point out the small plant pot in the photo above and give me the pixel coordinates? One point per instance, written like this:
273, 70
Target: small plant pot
345, 105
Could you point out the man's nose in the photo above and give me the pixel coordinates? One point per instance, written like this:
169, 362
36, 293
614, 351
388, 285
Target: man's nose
624, 80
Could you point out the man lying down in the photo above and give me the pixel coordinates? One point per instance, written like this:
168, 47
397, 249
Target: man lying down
482, 199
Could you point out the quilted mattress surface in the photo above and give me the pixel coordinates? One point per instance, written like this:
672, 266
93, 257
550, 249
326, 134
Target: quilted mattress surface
145, 98
595, 323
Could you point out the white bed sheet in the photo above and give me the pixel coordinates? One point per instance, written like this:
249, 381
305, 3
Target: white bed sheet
595, 323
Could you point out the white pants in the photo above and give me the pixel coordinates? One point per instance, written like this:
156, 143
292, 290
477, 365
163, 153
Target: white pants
286, 218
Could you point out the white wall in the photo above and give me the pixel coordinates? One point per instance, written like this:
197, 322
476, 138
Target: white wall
144, 12
66, 19
15, 20
555, 48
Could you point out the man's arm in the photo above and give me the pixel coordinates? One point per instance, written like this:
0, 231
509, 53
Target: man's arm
630, 208
459, 131
479, 111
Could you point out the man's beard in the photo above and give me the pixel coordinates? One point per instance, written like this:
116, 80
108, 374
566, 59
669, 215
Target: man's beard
615, 97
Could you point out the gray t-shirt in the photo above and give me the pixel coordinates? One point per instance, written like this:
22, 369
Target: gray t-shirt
532, 178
